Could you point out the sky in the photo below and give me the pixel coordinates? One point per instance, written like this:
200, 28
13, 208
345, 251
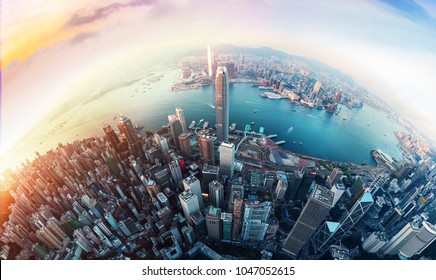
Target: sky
54, 51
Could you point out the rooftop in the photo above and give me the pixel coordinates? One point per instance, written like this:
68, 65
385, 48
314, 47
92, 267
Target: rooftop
323, 195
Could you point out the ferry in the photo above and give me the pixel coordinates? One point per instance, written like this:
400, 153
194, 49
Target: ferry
301, 143
192, 124
233, 126
280, 142
254, 111
252, 123
201, 121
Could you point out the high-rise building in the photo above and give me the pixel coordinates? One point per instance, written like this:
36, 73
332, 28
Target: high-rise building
256, 215
334, 177
185, 145
237, 219
207, 151
407, 233
210, 173
213, 223
175, 129
326, 236
222, 104
227, 159
337, 98
181, 117
152, 188
111, 136
193, 184
162, 143
226, 219
189, 235
374, 242
216, 194
126, 127
338, 189
209, 61
189, 203
420, 242
176, 171
282, 186
316, 210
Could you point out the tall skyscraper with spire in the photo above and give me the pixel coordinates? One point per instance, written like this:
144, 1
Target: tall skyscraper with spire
181, 117
222, 104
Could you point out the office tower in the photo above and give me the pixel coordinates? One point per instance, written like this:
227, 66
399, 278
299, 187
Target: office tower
216, 194
162, 199
316, 210
213, 223
222, 104
255, 224
378, 182
128, 226
237, 219
209, 61
356, 190
189, 235
210, 173
175, 129
46, 236
294, 180
162, 143
181, 116
111, 220
207, 151
282, 186
126, 127
337, 98
407, 233
193, 184
82, 240
152, 188
268, 182
338, 189
307, 181
226, 220
316, 88
111, 136
334, 177
166, 216
227, 159
392, 218
199, 223
163, 178
236, 192
53, 226
374, 242
189, 203
332, 235
422, 240
185, 145
176, 171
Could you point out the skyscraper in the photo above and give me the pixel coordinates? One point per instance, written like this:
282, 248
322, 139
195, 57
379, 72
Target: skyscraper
162, 142
323, 238
176, 129
185, 144
216, 194
227, 159
126, 127
206, 147
209, 61
374, 242
176, 171
237, 219
316, 210
193, 184
111, 136
400, 239
334, 177
222, 104
226, 220
213, 223
181, 117
337, 98
189, 203
282, 186
256, 215
422, 240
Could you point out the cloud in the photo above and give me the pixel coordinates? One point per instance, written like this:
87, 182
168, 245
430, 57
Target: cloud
80, 38
80, 18
411, 10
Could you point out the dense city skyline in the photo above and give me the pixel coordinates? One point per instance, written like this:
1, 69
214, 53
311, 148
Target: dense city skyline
387, 47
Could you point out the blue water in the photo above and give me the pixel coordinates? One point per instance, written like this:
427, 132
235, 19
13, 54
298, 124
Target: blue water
324, 135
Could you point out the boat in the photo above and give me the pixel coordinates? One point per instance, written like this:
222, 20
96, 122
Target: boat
293, 142
293, 110
290, 129
263, 95
205, 125
233, 126
138, 127
301, 143
265, 88
201, 121
254, 111
192, 124
344, 119
280, 142
252, 123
